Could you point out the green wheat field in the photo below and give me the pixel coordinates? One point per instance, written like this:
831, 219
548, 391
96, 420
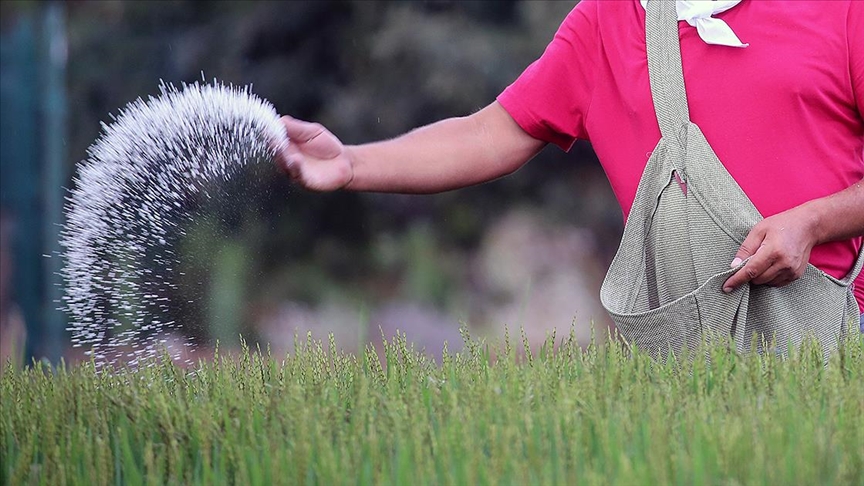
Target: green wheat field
490, 414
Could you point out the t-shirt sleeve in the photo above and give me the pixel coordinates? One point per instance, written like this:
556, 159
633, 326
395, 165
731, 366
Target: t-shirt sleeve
550, 99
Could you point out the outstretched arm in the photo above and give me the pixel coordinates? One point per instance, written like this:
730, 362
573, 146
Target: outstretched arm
780, 245
449, 154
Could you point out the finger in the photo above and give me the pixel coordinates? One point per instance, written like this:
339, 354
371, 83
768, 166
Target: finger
287, 156
293, 170
313, 139
773, 272
301, 131
749, 246
780, 281
779, 275
755, 266
291, 161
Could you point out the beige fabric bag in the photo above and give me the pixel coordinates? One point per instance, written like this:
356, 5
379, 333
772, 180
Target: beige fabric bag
664, 287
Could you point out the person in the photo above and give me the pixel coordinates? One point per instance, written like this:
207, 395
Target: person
783, 109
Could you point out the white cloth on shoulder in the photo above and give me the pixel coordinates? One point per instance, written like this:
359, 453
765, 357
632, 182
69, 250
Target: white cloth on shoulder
698, 13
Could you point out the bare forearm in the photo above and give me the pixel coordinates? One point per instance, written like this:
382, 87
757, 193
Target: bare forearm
449, 154
839, 216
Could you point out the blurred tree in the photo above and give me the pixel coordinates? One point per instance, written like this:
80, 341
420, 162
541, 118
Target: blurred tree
33, 166
368, 69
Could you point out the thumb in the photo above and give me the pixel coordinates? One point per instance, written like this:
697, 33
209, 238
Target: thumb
301, 131
749, 247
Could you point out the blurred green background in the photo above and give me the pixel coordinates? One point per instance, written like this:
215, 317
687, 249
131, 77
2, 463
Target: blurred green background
528, 250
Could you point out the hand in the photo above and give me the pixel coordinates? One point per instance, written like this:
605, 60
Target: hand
779, 249
314, 157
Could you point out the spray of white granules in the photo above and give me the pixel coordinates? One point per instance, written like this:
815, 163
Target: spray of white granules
130, 197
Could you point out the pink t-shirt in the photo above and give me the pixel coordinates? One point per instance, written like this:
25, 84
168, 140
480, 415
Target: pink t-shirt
784, 115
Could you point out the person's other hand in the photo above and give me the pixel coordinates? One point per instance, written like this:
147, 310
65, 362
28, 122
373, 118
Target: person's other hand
314, 157
778, 249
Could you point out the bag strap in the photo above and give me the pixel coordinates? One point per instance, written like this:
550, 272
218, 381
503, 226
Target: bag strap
664, 68
666, 75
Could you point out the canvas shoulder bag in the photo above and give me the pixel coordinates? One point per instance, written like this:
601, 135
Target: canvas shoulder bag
664, 287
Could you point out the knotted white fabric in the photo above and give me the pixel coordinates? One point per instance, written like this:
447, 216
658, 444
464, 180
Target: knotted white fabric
699, 14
